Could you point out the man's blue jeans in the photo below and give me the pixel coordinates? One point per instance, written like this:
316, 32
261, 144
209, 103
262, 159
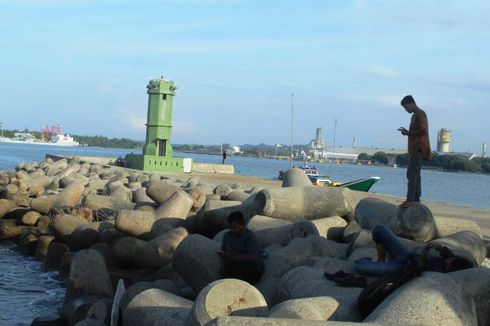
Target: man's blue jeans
414, 187
398, 252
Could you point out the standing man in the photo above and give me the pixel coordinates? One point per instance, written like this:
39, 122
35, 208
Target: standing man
418, 148
224, 157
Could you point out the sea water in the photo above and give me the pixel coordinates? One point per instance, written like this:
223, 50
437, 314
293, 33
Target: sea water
26, 292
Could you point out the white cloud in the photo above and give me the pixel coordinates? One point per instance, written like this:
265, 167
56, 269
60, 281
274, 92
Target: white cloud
137, 123
381, 71
388, 100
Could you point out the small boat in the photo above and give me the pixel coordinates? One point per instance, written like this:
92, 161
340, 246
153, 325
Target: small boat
359, 185
324, 181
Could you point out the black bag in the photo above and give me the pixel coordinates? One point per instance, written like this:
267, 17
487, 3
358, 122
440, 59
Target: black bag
372, 295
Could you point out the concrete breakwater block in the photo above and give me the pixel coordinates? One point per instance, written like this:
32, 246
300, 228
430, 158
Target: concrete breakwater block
83, 281
135, 223
177, 206
237, 195
317, 308
167, 243
197, 262
76, 233
138, 252
42, 246
156, 307
331, 227
30, 218
97, 202
226, 297
295, 178
160, 190
296, 253
307, 282
198, 195
433, 299
261, 222
476, 282
414, 222
55, 252
283, 234
5, 207
43, 204
446, 226
213, 216
466, 244
261, 321
299, 203
69, 196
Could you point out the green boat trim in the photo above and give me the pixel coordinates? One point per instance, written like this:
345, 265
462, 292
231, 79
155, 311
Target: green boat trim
361, 184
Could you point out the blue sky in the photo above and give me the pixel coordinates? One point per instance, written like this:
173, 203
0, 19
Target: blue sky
85, 65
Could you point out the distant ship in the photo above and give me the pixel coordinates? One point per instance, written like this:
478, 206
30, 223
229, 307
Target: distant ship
57, 140
55, 136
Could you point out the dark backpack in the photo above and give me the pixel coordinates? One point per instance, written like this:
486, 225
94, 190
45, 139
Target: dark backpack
372, 295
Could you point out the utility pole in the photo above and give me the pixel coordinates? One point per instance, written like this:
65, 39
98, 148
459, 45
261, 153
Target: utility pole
334, 133
292, 131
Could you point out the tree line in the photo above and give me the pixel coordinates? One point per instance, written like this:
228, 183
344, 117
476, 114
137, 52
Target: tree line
453, 163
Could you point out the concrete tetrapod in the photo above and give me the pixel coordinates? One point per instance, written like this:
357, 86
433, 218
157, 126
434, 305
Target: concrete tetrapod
295, 178
213, 216
135, 223
172, 212
283, 234
317, 308
476, 282
259, 321
138, 252
226, 297
70, 196
160, 191
414, 222
197, 262
307, 282
466, 244
446, 226
433, 299
156, 307
296, 253
83, 281
300, 203
331, 227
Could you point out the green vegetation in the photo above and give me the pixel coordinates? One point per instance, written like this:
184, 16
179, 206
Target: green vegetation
101, 141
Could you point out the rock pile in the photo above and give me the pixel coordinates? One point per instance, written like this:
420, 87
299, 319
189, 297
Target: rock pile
98, 224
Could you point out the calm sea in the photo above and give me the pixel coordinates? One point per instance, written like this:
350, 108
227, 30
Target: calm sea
33, 294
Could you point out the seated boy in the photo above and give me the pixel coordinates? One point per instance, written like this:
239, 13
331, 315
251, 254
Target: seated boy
240, 251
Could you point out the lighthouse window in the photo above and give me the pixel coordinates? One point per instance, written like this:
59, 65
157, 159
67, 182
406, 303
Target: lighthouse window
164, 106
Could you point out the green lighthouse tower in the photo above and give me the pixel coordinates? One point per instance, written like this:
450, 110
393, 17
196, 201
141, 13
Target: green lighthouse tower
157, 152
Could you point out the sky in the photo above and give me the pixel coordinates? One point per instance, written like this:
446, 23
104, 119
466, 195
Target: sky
236, 63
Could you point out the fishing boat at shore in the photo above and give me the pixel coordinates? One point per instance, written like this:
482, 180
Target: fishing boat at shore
316, 179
